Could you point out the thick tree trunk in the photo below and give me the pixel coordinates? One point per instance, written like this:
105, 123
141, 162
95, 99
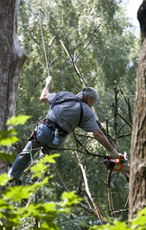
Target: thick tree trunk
138, 148
12, 58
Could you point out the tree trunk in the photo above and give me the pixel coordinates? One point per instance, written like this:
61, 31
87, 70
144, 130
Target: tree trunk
138, 145
12, 58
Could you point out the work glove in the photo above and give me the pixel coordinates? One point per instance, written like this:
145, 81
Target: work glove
115, 155
49, 81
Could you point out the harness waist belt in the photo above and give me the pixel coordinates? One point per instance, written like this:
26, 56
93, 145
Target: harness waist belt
53, 125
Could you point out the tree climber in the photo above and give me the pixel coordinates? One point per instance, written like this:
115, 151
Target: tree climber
67, 111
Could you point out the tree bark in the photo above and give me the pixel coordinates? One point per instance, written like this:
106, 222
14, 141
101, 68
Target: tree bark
137, 190
12, 58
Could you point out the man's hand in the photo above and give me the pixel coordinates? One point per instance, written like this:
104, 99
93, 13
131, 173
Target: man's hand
45, 91
115, 155
49, 81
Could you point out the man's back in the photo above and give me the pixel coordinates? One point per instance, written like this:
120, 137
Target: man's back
68, 113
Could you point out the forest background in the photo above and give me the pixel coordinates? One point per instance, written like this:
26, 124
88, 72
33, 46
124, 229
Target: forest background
101, 42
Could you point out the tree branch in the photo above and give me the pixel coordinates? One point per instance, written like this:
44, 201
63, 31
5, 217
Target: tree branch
72, 61
65, 187
85, 47
110, 200
129, 106
97, 72
88, 192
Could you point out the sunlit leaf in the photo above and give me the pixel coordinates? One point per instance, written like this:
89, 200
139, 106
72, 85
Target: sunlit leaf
70, 198
4, 179
9, 140
20, 120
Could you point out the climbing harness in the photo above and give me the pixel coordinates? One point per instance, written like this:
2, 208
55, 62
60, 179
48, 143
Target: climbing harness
54, 126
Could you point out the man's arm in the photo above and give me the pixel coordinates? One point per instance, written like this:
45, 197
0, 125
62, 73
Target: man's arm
45, 91
102, 139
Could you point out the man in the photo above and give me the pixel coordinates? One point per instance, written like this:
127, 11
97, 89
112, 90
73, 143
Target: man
67, 111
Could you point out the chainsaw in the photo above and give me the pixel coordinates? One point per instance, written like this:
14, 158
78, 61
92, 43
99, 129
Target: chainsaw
112, 164
116, 164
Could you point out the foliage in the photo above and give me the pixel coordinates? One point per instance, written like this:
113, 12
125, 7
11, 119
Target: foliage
139, 223
99, 38
12, 213
45, 212
9, 137
49, 214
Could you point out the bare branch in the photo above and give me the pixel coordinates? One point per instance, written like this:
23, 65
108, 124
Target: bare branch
115, 114
107, 133
125, 120
71, 60
93, 32
110, 200
66, 189
88, 191
97, 72
128, 103
124, 135
121, 210
122, 117
45, 53
85, 47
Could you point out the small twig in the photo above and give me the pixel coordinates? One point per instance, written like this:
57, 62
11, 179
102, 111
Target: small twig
82, 135
86, 199
94, 30
118, 211
45, 53
107, 133
86, 187
71, 60
126, 203
97, 72
111, 206
59, 177
88, 191
128, 103
66, 189
27, 204
85, 47
124, 135
115, 114
123, 118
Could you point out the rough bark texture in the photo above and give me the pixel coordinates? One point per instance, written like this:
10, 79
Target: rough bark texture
138, 146
12, 58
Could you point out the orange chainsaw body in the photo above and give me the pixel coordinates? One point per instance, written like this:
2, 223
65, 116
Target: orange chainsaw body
114, 164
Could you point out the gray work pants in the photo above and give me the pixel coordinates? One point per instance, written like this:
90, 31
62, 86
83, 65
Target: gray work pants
46, 137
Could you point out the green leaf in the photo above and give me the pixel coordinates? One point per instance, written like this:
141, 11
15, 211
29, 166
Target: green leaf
7, 137
17, 193
4, 179
70, 198
140, 220
50, 158
20, 120
42, 165
9, 140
